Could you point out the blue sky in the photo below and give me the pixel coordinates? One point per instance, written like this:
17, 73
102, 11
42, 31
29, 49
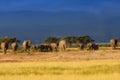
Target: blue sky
55, 5
97, 18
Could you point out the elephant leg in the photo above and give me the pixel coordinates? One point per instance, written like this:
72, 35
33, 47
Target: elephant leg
60, 48
14, 50
64, 48
4, 51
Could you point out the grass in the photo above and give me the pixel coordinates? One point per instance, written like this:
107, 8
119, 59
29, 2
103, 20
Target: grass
85, 70
63, 77
59, 70
78, 49
100, 48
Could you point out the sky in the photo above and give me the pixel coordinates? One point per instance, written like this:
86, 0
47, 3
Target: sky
56, 5
38, 19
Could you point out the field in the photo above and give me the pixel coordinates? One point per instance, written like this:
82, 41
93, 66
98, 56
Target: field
70, 65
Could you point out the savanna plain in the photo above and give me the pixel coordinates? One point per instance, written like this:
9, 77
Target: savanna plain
68, 65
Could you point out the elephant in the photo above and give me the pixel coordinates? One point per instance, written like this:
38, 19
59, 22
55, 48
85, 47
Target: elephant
45, 48
62, 45
4, 46
113, 43
92, 46
26, 45
81, 45
53, 46
14, 46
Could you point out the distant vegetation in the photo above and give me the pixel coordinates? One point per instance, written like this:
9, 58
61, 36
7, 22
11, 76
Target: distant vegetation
73, 42
50, 39
8, 39
70, 39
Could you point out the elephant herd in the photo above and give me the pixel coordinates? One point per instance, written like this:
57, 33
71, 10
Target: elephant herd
27, 47
92, 46
61, 46
51, 47
5, 45
89, 46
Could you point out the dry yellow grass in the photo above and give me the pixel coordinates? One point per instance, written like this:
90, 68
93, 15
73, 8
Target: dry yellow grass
114, 76
81, 70
71, 65
61, 56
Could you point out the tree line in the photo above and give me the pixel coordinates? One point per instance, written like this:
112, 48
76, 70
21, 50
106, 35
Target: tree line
50, 39
70, 39
9, 39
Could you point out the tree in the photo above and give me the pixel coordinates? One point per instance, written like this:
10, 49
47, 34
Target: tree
8, 39
85, 39
71, 39
51, 39
78, 39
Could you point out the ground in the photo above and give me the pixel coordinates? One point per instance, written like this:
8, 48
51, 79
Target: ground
60, 56
70, 65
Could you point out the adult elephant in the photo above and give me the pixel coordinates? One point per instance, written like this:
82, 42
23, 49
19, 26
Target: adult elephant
4, 46
62, 45
113, 43
45, 47
53, 46
26, 45
14, 46
81, 46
